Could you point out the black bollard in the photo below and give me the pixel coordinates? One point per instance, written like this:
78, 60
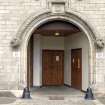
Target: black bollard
26, 93
89, 94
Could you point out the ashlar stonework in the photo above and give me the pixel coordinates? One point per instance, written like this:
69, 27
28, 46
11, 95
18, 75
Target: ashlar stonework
18, 19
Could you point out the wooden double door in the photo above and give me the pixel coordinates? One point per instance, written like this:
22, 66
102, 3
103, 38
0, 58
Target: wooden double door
53, 67
76, 68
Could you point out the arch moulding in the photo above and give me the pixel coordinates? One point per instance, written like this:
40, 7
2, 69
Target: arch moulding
24, 33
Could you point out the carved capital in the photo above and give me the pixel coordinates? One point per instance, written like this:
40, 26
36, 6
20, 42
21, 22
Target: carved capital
15, 42
100, 43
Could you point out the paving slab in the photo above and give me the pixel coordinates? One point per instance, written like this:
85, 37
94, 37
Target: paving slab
51, 96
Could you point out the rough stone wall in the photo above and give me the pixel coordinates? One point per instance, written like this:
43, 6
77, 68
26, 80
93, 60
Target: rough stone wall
14, 12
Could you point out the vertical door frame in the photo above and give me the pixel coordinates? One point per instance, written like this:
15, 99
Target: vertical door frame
30, 63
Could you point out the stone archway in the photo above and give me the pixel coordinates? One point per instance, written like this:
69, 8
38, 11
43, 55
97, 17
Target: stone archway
35, 21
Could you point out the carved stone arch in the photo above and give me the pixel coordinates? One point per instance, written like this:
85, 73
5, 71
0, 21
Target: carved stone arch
34, 21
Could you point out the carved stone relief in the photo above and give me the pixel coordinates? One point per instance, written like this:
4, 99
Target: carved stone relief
100, 43
15, 42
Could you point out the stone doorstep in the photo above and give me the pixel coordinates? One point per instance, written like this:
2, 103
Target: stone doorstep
16, 93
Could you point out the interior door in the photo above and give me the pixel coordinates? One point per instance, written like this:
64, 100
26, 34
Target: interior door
53, 67
76, 68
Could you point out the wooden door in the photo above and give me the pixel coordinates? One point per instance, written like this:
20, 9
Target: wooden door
76, 68
53, 67
30, 63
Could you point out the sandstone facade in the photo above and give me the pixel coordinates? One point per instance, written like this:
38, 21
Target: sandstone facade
14, 14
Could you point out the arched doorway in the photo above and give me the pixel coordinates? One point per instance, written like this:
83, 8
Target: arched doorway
58, 54
26, 30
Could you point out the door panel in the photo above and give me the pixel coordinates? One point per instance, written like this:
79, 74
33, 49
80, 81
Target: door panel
53, 67
76, 68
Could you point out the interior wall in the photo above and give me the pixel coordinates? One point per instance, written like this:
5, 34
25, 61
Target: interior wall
78, 40
51, 42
